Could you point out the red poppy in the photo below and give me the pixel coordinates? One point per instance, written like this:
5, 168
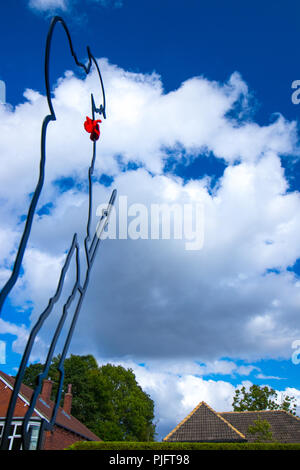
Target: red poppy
93, 128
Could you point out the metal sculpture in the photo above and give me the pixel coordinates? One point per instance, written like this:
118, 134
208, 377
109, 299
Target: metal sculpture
90, 248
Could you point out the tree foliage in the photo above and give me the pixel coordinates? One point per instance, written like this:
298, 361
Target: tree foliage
262, 398
261, 429
107, 399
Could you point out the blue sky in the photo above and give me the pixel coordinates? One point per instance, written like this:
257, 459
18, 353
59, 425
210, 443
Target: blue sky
176, 41
155, 48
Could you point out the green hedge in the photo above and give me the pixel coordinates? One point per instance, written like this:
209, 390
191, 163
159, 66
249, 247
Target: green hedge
184, 446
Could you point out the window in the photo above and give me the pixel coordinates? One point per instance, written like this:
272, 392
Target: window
15, 435
34, 436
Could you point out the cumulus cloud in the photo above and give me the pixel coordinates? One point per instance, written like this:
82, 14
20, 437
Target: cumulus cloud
49, 5
250, 221
19, 331
152, 300
177, 387
176, 390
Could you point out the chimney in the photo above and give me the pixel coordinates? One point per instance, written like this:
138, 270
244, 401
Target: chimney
68, 400
46, 390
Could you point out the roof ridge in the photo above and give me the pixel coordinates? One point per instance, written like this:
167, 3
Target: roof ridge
8, 379
211, 409
229, 424
184, 420
290, 414
28, 390
256, 411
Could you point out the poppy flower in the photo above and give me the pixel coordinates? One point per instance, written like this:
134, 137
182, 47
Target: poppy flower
93, 128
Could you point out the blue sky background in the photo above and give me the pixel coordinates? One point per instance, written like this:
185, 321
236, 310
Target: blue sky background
177, 40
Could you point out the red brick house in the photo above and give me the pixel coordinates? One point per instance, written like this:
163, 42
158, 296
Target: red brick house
67, 429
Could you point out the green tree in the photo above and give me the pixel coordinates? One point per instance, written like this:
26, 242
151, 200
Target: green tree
31, 373
107, 399
127, 412
261, 398
76, 372
261, 428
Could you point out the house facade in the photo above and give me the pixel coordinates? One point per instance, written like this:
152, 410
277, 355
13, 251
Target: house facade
66, 431
204, 424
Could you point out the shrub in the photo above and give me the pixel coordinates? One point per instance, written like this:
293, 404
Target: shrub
180, 446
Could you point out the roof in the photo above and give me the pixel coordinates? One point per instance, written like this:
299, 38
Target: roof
284, 426
45, 409
203, 424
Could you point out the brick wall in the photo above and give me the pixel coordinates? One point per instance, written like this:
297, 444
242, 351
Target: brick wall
60, 438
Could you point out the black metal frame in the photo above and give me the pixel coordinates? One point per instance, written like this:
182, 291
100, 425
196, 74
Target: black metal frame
78, 287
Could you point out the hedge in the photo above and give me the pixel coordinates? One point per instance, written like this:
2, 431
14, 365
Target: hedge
184, 446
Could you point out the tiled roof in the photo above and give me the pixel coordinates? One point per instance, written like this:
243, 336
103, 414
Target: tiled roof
203, 424
45, 409
284, 426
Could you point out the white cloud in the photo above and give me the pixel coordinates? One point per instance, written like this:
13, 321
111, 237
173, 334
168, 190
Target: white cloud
177, 390
20, 331
175, 395
269, 377
48, 5
188, 300
178, 312
21, 334
65, 5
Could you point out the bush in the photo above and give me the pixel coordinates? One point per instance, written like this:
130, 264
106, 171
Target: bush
184, 446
